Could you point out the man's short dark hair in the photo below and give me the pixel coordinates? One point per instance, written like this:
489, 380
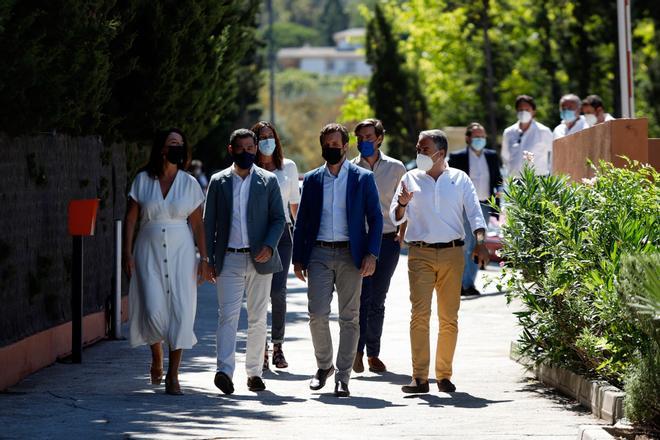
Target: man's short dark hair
377, 124
472, 126
525, 98
334, 128
242, 133
438, 137
593, 100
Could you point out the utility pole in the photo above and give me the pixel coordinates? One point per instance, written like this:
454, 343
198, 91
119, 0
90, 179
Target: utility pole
625, 59
271, 61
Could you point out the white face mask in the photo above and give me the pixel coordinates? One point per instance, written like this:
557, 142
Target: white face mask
591, 119
267, 146
524, 116
425, 162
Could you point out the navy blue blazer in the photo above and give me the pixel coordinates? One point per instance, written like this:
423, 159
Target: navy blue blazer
362, 203
461, 160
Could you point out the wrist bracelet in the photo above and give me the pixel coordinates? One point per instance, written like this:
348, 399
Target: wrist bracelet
401, 205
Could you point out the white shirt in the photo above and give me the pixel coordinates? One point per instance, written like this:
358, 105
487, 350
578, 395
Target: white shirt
562, 129
435, 212
608, 117
287, 178
334, 219
388, 173
479, 174
238, 234
537, 139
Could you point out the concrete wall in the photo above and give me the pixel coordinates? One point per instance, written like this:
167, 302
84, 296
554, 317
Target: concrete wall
607, 141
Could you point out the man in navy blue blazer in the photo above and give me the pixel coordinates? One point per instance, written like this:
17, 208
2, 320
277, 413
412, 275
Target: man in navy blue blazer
336, 242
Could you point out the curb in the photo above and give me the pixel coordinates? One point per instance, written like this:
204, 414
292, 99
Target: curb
604, 400
593, 432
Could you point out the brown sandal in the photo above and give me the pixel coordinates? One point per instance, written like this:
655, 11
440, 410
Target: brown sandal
172, 387
278, 357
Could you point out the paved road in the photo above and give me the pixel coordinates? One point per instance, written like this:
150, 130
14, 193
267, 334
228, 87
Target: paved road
109, 396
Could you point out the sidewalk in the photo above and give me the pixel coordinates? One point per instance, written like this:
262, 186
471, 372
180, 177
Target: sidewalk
109, 395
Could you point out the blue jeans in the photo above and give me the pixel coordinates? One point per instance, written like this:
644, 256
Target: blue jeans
471, 268
372, 299
278, 288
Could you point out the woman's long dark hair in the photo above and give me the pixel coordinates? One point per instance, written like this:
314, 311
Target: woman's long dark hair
154, 166
278, 154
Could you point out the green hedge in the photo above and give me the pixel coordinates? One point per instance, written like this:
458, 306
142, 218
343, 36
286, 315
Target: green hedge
563, 245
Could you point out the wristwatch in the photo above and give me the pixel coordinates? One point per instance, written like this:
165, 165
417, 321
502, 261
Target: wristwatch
205, 259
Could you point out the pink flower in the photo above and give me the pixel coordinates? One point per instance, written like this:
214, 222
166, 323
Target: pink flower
528, 156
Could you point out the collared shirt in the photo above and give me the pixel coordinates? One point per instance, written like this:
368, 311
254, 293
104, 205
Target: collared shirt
435, 212
238, 234
479, 174
562, 129
388, 173
537, 139
334, 219
287, 178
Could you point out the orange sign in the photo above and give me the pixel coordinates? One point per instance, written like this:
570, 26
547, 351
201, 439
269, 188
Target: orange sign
82, 216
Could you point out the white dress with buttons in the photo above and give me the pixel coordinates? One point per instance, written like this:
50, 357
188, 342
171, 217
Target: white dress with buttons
163, 289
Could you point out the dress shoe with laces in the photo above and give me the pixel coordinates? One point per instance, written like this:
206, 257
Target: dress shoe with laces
255, 383
341, 389
416, 386
445, 386
376, 365
358, 366
223, 382
319, 379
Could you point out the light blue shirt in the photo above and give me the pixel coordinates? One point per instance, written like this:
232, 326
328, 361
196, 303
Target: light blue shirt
334, 218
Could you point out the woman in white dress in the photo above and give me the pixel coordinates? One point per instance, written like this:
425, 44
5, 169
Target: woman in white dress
271, 157
161, 264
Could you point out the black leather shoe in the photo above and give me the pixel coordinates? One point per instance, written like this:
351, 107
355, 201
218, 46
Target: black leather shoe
318, 381
470, 291
341, 389
255, 383
445, 386
224, 383
417, 386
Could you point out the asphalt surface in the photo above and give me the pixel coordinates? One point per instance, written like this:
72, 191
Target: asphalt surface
108, 395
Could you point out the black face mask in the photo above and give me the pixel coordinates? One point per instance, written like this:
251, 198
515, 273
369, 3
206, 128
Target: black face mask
243, 160
332, 155
176, 154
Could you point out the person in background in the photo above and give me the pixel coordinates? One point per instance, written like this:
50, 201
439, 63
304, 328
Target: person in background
432, 199
270, 156
594, 111
161, 264
197, 170
243, 221
483, 167
336, 242
387, 172
571, 120
526, 135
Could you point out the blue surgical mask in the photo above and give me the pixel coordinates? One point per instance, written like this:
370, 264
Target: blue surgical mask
478, 143
267, 146
567, 115
366, 148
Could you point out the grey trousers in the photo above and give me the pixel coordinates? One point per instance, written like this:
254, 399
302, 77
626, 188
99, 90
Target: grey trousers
329, 268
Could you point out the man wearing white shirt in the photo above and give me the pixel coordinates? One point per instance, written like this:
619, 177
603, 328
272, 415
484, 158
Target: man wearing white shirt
432, 199
526, 135
594, 111
571, 121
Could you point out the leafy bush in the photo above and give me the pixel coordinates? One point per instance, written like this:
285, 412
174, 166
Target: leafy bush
563, 243
639, 283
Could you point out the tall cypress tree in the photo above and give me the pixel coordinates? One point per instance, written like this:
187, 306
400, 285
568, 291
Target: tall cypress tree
333, 19
394, 90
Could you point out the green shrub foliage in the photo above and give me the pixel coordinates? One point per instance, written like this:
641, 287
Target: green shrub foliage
122, 68
563, 243
639, 283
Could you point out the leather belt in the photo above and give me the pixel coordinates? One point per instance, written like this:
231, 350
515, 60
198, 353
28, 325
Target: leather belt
423, 244
332, 244
239, 251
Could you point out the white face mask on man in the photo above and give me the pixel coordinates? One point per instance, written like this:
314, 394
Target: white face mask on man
524, 116
424, 162
591, 119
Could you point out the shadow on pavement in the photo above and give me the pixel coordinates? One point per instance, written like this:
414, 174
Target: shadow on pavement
284, 375
388, 376
356, 401
457, 400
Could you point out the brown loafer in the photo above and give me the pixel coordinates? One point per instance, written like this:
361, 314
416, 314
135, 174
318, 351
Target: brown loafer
445, 386
376, 365
358, 366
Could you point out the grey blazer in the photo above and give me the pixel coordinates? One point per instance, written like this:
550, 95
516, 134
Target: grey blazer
265, 217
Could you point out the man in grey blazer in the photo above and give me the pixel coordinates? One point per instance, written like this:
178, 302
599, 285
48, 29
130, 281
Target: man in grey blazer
243, 221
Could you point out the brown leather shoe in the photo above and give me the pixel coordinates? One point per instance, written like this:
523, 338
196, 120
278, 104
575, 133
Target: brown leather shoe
416, 386
376, 365
445, 386
358, 366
